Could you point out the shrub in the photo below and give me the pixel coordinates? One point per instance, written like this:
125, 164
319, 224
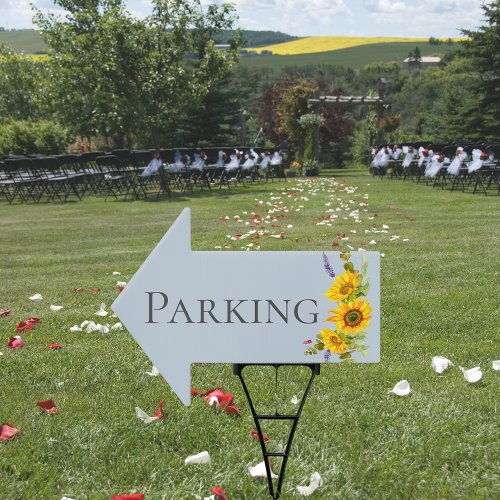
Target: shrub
28, 137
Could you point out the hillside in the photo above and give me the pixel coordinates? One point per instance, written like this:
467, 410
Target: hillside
30, 41
354, 57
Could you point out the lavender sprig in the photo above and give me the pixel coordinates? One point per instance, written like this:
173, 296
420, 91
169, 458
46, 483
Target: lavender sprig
328, 267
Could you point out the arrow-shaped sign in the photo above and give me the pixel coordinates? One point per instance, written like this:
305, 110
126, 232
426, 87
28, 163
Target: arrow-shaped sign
184, 307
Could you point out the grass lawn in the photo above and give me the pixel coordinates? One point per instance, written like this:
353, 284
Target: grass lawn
439, 297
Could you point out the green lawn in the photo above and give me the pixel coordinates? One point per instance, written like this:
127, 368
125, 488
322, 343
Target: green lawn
439, 297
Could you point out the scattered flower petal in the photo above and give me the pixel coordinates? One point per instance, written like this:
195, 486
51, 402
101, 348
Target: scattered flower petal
401, 388
315, 482
4, 313
116, 273
255, 435
201, 458
22, 326
117, 326
78, 289
294, 400
473, 375
133, 496
15, 342
48, 405
95, 290
194, 392
154, 372
217, 491
121, 283
8, 431
102, 328
440, 364
75, 328
55, 346
259, 470
101, 312
55, 308
496, 365
36, 298
232, 410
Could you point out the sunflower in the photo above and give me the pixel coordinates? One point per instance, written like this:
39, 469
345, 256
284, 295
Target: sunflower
344, 286
352, 317
332, 341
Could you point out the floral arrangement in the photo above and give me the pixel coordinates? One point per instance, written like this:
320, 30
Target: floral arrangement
484, 156
350, 317
310, 167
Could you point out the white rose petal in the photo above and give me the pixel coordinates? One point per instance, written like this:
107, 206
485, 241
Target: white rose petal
201, 458
36, 298
85, 323
440, 364
496, 365
55, 308
116, 273
315, 483
1, 353
294, 400
260, 471
121, 283
154, 372
75, 328
142, 415
117, 326
101, 312
401, 388
473, 375
102, 328
91, 327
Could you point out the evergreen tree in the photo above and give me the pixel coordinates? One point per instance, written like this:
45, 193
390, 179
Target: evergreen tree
483, 48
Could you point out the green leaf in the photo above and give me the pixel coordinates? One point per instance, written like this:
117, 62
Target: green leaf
349, 266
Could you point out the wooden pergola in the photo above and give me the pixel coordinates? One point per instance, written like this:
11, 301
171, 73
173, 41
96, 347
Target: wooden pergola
369, 100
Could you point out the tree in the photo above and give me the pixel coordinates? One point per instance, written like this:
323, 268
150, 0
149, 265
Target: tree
483, 49
119, 75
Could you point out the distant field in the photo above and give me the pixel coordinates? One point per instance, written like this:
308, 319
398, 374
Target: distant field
354, 57
315, 44
28, 41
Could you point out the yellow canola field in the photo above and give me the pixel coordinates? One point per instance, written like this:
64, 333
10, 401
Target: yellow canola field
327, 43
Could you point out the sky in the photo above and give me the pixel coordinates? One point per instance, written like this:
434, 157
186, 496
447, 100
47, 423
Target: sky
415, 18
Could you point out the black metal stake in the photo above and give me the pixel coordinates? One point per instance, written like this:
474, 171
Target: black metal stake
237, 370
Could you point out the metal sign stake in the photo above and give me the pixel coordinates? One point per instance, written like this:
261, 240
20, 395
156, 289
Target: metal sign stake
237, 370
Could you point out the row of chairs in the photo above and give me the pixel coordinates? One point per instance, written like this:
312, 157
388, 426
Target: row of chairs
59, 178
484, 180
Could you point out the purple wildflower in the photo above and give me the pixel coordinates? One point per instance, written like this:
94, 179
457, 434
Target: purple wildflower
327, 355
328, 267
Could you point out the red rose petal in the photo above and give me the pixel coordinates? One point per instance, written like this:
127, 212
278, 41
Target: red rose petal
194, 392
159, 411
121, 288
213, 393
335, 244
217, 491
133, 496
15, 342
225, 399
48, 405
79, 289
95, 290
5, 313
33, 320
255, 435
232, 410
55, 346
23, 326
8, 431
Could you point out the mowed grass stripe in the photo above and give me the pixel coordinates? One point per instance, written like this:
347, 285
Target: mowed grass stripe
439, 293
